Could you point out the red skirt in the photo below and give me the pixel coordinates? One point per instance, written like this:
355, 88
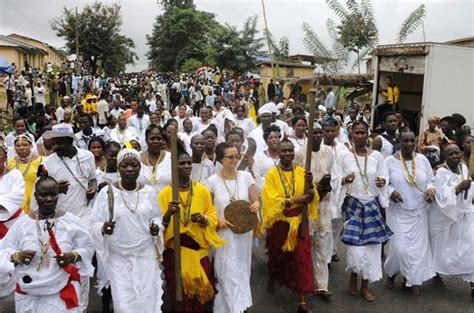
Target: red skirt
291, 269
187, 304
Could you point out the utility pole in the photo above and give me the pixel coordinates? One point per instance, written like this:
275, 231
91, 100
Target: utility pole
267, 32
77, 44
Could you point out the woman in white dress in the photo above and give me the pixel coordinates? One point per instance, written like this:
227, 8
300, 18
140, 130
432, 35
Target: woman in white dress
268, 158
452, 219
411, 190
12, 193
52, 253
128, 238
365, 176
156, 162
299, 138
243, 121
123, 133
232, 262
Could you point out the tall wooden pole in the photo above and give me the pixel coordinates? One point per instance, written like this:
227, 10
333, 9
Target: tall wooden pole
307, 167
176, 233
77, 43
267, 31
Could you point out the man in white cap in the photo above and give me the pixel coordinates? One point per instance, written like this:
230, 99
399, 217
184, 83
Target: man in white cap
74, 169
65, 102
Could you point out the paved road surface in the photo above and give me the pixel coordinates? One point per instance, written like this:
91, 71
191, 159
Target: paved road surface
455, 298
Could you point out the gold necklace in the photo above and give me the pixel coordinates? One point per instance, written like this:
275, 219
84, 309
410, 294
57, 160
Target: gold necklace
187, 205
287, 187
410, 177
160, 158
235, 196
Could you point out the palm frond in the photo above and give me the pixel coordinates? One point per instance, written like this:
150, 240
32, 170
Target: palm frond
353, 6
367, 9
314, 44
362, 55
340, 52
338, 8
411, 23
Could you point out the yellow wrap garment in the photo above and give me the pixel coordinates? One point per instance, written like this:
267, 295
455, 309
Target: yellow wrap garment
273, 203
29, 171
194, 279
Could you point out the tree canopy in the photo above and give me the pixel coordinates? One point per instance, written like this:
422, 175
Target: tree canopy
183, 33
101, 42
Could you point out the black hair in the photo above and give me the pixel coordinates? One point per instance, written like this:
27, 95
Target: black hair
152, 127
387, 114
360, 122
220, 148
86, 115
296, 118
286, 141
269, 130
234, 132
111, 144
212, 128
43, 175
96, 139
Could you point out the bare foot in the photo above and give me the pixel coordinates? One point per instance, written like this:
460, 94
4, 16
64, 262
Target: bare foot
390, 282
353, 284
415, 290
367, 295
438, 281
303, 308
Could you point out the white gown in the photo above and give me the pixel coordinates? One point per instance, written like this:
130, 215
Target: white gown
261, 165
410, 251
131, 253
451, 225
162, 173
202, 171
363, 260
43, 291
232, 262
12, 192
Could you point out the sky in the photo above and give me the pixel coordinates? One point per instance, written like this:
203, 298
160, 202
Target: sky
445, 19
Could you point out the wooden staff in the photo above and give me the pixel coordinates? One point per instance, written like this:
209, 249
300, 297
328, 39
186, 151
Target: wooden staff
176, 233
470, 168
307, 167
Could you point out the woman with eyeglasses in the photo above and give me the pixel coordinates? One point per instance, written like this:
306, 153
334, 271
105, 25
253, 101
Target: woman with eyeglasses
232, 262
27, 162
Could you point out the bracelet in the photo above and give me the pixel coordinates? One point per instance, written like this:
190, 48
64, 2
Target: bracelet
76, 257
15, 258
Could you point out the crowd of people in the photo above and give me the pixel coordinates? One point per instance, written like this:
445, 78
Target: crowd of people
85, 190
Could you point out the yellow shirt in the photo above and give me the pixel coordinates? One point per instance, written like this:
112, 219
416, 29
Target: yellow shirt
194, 279
273, 202
29, 171
392, 94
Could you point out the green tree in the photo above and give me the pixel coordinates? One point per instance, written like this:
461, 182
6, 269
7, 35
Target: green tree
411, 23
280, 50
190, 65
100, 40
179, 34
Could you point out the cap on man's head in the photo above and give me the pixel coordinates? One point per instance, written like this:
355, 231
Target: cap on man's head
61, 130
458, 119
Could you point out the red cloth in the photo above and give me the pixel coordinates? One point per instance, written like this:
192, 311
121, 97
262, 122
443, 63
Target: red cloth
3, 228
68, 293
187, 305
291, 269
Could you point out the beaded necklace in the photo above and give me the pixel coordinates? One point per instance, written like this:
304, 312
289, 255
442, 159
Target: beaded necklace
154, 179
44, 242
288, 188
363, 174
235, 196
129, 207
410, 177
186, 206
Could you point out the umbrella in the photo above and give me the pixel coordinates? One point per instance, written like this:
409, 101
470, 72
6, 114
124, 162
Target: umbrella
5, 66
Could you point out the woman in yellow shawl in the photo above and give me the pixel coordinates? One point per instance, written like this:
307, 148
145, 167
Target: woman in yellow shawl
198, 221
289, 250
27, 162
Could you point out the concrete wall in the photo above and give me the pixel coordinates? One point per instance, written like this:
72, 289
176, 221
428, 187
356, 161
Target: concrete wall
282, 72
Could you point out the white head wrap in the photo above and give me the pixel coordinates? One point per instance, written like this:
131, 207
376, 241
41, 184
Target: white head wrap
126, 153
